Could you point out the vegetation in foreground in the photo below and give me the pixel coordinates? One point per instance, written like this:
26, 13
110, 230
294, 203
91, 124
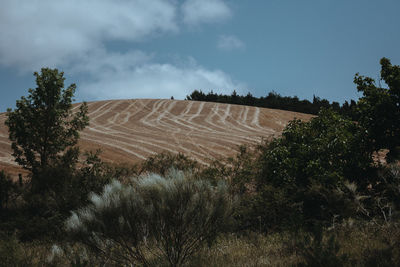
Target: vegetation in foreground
312, 197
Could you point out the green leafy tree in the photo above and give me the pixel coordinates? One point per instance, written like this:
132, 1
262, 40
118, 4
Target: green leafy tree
379, 108
304, 173
43, 124
328, 149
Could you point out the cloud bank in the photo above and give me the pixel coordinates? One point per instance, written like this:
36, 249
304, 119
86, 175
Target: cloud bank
46, 32
157, 80
136, 74
71, 35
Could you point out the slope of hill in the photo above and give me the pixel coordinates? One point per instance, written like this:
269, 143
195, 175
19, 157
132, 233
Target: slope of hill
131, 130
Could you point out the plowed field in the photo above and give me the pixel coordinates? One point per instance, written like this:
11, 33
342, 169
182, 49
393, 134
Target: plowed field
131, 130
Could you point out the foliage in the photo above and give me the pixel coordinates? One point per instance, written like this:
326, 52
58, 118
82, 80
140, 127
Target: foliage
170, 217
389, 189
327, 149
276, 101
65, 187
239, 170
161, 163
304, 173
379, 108
7, 188
381, 204
43, 124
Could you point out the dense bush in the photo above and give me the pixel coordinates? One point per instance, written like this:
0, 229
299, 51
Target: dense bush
67, 182
163, 162
303, 174
7, 189
379, 109
168, 217
381, 204
328, 149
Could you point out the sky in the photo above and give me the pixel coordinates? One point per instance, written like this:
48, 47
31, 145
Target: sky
123, 49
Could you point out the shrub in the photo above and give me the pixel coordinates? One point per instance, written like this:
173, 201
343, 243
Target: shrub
163, 162
328, 149
66, 187
169, 217
7, 187
388, 190
304, 172
239, 171
379, 109
382, 203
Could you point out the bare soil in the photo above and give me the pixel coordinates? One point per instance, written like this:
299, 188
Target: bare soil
131, 130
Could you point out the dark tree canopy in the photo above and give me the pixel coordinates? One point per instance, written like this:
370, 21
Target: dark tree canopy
43, 124
276, 101
379, 108
304, 174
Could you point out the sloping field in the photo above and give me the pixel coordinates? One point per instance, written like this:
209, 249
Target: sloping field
131, 130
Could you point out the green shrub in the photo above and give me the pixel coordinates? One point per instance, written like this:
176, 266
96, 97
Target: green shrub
379, 109
303, 174
67, 183
163, 162
328, 149
152, 219
7, 188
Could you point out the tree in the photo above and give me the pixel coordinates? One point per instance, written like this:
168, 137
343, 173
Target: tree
329, 148
304, 173
379, 108
43, 124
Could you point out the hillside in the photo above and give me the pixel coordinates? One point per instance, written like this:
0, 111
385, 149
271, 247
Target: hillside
131, 130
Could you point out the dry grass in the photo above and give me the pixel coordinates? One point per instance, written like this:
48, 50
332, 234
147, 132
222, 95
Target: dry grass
250, 250
364, 246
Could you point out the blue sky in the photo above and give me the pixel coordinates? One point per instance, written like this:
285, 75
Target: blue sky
116, 49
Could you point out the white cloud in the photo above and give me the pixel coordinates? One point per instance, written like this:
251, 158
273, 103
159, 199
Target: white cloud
71, 35
205, 11
229, 42
50, 33
135, 75
103, 62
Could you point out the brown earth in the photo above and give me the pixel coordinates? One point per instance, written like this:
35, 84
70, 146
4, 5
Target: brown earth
131, 130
